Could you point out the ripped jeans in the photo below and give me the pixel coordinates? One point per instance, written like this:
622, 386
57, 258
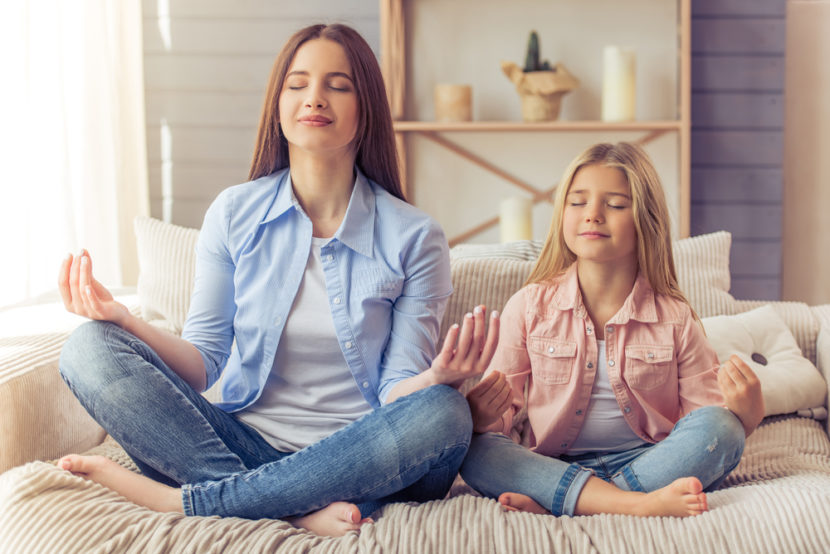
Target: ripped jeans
707, 443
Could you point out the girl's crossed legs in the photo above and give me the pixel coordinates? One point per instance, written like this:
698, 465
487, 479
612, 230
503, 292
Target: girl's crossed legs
410, 449
667, 478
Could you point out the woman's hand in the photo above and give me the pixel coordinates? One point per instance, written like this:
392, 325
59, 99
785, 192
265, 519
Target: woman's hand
741, 391
472, 353
488, 400
82, 294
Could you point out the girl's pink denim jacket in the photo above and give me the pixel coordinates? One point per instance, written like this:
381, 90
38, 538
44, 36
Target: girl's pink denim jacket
660, 363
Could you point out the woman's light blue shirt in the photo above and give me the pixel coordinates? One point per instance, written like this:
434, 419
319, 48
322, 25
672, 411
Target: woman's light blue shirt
387, 276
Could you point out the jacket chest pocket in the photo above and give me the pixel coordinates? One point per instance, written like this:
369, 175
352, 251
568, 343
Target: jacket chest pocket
551, 361
647, 367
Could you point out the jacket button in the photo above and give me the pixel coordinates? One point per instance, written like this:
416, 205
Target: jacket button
610, 363
609, 329
590, 365
579, 412
551, 349
563, 445
627, 409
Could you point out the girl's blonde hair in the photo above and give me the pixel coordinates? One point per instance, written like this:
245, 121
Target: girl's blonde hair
651, 218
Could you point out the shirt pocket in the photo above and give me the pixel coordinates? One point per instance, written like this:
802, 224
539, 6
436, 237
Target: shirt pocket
648, 366
551, 360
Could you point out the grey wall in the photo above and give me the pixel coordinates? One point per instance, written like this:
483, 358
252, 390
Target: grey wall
738, 135
206, 64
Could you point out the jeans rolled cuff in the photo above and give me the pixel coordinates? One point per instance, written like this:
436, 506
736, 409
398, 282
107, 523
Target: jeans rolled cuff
568, 490
187, 500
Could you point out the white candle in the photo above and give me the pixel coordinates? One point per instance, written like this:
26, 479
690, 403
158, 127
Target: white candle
618, 84
515, 219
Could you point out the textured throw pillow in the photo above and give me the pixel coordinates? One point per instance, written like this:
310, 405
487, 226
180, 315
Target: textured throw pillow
789, 382
167, 263
702, 265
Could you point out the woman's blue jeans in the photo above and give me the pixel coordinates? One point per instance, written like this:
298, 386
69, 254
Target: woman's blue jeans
707, 443
407, 450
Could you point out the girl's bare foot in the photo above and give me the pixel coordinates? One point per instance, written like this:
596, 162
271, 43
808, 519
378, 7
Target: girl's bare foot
134, 487
335, 520
515, 502
683, 497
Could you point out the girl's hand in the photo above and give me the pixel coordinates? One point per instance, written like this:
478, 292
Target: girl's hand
82, 294
471, 356
741, 391
488, 400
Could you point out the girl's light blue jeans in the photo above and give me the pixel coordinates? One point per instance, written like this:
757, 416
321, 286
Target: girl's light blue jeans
707, 444
408, 450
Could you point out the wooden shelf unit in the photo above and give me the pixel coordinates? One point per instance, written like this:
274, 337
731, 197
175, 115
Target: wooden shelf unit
393, 65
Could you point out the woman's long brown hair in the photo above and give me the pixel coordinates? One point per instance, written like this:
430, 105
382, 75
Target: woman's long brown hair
374, 146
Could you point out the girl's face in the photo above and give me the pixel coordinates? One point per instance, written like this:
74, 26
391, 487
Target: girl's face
598, 221
318, 102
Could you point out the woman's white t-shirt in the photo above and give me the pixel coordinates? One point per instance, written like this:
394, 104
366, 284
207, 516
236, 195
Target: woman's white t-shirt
310, 392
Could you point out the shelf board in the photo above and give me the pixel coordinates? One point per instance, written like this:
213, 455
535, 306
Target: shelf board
519, 126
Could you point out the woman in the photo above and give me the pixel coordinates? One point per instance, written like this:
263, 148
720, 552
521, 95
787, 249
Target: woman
332, 288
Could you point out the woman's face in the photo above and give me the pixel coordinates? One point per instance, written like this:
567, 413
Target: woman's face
318, 105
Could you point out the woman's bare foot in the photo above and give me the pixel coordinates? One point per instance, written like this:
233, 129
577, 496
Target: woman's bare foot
335, 520
515, 502
136, 488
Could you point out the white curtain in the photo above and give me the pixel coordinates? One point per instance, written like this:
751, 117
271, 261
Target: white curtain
73, 161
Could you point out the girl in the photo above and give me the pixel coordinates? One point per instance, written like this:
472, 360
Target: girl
622, 386
332, 288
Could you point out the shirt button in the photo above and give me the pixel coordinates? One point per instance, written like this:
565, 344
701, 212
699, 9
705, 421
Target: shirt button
329, 258
610, 363
336, 300
365, 384
590, 365
627, 409
609, 329
348, 344
551, 349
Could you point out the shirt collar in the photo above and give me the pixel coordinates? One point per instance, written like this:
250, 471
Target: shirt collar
640, 303
358, 226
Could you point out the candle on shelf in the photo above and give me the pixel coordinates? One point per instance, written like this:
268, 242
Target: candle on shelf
618, 84
453, 102
515, 219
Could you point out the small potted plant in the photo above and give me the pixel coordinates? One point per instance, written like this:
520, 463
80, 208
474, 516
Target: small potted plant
539, 85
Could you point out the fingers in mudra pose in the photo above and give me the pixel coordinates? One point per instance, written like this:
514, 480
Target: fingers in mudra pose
83, 295
741, 391
468, 348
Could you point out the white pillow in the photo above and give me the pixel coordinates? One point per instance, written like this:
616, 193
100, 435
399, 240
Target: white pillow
789, 382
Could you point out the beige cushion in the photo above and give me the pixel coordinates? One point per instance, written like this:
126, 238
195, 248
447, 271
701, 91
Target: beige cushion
167, 261
761, 338
167, 264
39, 416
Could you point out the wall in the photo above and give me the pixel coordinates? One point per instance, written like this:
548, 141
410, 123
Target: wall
206, 67
459, 194
806, 263
738, 135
